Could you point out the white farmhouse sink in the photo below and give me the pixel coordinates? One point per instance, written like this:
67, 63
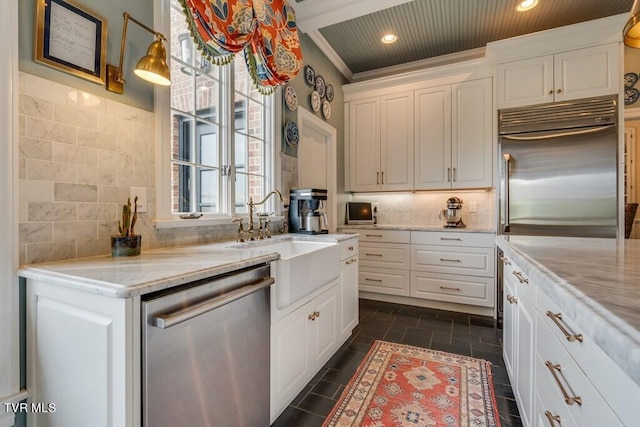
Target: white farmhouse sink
303, 267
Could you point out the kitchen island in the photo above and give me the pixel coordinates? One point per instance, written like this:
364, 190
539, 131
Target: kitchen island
85, 320
575, 301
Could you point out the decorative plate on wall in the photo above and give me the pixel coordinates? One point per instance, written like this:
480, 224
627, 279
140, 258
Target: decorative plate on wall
320, 86
329, 93
309, 75
326, 110
291, 134
630, 79
290, 98
315, 100
631, 95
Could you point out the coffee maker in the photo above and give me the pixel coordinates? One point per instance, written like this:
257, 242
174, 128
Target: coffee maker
305, 215
451, 215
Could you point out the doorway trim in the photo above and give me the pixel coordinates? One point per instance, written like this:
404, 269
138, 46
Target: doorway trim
307, 120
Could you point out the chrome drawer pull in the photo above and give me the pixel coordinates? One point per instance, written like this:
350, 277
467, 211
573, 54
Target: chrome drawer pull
568, 399
505, 260
520, 277
451, 238
552, 418
450, 289
450, 260
373, 280
373, 254
373, 235
556, 317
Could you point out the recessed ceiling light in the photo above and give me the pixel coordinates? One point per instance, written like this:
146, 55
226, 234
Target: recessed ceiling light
525, 5
389, 38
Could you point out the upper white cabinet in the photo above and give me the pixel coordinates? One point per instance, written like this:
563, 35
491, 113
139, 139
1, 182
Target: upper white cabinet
453, 146
381, 143
573, 74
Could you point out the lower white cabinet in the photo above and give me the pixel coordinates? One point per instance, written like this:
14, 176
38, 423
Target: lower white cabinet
305, 338
559, 376
83, 356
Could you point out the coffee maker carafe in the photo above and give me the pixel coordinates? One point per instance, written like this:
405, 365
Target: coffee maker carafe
452, 215
305, 215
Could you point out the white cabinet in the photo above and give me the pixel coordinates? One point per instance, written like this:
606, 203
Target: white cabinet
82, 355
381, 143
574, 74
453, 136
519, 337
301, 342
348, 287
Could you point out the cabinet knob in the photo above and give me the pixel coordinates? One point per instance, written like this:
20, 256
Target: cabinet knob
350, 248
559, 91
551, 92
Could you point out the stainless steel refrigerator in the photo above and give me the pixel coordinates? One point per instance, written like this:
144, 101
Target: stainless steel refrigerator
558, 169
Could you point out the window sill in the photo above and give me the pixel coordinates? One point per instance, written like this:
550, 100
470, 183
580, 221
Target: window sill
202, 221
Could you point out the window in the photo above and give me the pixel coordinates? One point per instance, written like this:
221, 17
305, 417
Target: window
218, 139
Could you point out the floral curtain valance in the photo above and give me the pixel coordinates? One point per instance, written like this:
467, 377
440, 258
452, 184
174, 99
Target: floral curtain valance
264, 30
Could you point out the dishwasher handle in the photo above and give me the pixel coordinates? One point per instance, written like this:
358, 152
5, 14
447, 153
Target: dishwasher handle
164, 321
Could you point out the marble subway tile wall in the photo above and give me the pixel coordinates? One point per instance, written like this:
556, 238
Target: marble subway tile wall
423, 208
79, 154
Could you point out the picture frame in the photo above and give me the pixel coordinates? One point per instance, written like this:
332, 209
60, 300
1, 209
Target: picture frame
71, 38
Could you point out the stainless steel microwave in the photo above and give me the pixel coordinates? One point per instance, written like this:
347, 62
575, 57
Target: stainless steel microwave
360, 213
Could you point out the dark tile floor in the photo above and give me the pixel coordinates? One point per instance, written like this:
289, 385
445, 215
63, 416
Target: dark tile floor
459, 333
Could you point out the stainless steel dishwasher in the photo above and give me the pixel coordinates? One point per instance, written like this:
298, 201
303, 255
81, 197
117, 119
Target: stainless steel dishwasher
205, 352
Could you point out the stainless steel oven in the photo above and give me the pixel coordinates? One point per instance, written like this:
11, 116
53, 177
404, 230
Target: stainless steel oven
205, 352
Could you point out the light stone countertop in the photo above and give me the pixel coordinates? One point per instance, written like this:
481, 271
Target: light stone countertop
596, 282
158, 269
418, 228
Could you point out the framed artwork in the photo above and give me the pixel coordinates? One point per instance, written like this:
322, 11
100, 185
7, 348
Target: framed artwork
71, 38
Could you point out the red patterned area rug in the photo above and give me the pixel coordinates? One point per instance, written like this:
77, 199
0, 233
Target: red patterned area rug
400, 385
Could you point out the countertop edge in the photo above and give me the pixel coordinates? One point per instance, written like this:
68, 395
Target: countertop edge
116, 291
616, 338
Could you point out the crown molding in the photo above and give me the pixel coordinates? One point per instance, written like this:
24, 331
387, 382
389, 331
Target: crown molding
326, 48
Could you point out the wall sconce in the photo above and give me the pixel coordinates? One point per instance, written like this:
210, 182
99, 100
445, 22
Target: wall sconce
631, 30
152, 67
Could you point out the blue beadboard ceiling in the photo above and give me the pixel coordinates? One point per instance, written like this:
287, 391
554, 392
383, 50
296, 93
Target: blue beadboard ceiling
431, 28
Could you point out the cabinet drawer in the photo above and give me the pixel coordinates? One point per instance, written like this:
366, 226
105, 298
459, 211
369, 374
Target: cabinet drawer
467, 261
548, 399
384, 255
452, 238
458, 289
593, 410
384, 281
383, 236
348, 248
620, 392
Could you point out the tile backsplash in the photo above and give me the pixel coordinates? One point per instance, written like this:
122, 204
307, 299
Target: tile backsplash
79, 154
422, 208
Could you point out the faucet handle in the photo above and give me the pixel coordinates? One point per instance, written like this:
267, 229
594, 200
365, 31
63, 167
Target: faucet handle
262, 227
267, 230
240, 237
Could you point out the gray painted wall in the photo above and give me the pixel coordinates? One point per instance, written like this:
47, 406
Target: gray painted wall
137, 92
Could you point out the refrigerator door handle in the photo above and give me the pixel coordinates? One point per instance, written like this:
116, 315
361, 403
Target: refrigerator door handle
543, 135
507, 158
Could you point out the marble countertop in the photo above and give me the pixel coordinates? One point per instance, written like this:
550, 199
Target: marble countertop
596, 282
418, 228
157, 269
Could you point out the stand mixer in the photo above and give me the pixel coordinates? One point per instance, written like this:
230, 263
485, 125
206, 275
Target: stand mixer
452, 215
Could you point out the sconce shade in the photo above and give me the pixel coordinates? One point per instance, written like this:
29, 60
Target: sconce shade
631, 30
153, 66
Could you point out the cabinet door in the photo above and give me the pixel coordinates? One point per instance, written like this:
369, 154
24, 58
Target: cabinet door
433, 138
396, 141
509, 328
525, 359
586, 72
324, 327
472, 132
349, 296
290, 358
525, 82
364, 145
